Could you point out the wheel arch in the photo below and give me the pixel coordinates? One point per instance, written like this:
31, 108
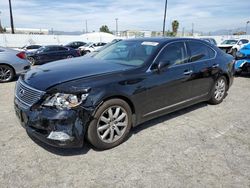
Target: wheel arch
124, 98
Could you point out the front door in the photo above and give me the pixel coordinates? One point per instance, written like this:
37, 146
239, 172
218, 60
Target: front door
169, 88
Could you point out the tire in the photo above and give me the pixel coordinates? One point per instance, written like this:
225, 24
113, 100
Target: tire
32, 61
86, 52
219, 91
234, 51
70, 56
110, 125
6, 73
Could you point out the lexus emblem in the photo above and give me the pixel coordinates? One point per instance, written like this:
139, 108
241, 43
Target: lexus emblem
21, 92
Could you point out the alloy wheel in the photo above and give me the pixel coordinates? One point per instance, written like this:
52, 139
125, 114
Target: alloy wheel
5, 74
112, 124
220, 89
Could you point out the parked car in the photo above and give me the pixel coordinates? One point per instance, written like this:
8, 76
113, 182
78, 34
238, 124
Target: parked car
103, 47
241, 43
243, 60
210, 40
232, 46
90, 47
51, 53
226, 45
12, 63
132, 81
75, 44
30, 48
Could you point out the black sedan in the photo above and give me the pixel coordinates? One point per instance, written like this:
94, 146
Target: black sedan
50, 53
100, 98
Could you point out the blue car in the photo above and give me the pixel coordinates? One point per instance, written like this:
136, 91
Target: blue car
243, 59
51, 53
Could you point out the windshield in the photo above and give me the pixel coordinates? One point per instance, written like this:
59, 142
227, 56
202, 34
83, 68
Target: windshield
88, 44
41, 49
229, 42
133, 53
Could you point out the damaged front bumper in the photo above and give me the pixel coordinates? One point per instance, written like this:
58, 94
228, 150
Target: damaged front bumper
60, 128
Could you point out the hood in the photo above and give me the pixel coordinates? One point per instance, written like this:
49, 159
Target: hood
245, 51
48, 75
225, 45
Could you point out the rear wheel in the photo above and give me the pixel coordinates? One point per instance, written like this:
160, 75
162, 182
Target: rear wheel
31, 60
70, 56
219, 90
111, 124
6, 73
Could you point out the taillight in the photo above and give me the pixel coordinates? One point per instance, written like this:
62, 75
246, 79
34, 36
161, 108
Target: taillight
21, 55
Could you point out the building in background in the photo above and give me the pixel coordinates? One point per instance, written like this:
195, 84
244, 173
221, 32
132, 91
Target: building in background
135, 34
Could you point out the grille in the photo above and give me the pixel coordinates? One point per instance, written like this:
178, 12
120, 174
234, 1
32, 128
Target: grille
26, 94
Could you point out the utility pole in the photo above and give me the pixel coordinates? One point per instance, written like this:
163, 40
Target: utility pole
86, 26
164, 20
192, 29
183, 31
0, 20
116, 26
246, 26
11, 19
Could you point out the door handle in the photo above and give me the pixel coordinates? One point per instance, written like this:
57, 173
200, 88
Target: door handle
188, 72
215, 65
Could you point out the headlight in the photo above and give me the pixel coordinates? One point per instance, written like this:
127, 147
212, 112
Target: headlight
64, 101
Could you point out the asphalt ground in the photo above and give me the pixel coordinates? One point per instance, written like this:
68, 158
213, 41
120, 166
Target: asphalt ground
200, 146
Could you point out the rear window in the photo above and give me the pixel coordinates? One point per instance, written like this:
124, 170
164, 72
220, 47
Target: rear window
199, 51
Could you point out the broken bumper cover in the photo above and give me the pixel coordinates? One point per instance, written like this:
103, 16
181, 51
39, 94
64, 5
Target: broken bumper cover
59, 128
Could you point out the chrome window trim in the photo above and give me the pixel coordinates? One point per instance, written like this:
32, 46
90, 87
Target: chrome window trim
185, 44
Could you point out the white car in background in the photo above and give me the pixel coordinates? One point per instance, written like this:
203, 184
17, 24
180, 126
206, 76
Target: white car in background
90, 47
30, 48
231, 46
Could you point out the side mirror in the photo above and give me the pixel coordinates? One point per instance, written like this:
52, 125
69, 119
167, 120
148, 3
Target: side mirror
240, 43
163, 65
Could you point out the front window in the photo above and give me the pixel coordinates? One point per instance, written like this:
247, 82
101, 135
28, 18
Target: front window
133, 53
174, 54
229, 42
41, 49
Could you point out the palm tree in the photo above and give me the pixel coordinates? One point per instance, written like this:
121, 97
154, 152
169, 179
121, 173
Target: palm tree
175, 26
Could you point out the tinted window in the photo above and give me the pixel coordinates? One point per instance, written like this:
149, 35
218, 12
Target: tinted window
174, 54
33, 47
199, 51
50, 49
244, 41
62, 48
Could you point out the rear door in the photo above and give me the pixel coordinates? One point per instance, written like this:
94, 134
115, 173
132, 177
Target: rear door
203, 59
62, 52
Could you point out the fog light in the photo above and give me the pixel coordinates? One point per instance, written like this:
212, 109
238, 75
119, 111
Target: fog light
61, 136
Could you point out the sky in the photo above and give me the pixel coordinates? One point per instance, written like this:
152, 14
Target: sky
71, 15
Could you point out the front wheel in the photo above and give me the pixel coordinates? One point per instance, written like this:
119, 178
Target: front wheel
110, 125
219, 90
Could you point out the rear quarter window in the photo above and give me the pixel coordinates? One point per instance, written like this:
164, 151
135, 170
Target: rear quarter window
199, 51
